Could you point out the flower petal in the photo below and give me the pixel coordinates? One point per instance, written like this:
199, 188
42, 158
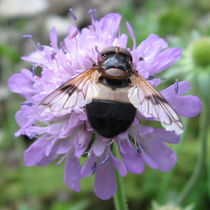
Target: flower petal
36, 152
119, 165
99, 146
165, 136
81, 142
164, 59
87, 169
157, 154
54, 38
151, 46
21, 83
132, 159
110, 23
187, 106
105, 184
72, 173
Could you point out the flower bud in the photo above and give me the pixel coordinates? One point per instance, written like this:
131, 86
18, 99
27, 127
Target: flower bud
200, 51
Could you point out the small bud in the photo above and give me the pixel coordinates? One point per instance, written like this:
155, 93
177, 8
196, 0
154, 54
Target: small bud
201, 51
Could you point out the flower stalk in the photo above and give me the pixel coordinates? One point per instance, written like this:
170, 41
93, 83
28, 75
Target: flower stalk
119, 198
199, 169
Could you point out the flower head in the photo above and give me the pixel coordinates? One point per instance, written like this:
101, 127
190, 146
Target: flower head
69, 135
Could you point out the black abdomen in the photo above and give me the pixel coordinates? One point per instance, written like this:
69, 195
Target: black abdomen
110, 118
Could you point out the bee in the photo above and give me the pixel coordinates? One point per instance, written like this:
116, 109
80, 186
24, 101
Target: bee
112, 92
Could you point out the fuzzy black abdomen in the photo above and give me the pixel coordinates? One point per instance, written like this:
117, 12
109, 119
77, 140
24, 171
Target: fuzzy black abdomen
110, 118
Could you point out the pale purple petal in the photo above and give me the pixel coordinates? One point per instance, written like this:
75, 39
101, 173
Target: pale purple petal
110, 23
164, 59
132, 159
121, 41
150, 47
47, 160
87, 169
54, 38
187, 106
105, 184
119, 165
158, 155
99, 146
36, 152
165, 136
131, 32
183, 87
81, 142
72, 173
21, 83
50, 146
64, 147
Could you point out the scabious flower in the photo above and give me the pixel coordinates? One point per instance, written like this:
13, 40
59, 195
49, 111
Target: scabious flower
68, 137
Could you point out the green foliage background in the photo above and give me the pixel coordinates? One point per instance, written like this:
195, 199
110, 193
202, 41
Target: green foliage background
35, 188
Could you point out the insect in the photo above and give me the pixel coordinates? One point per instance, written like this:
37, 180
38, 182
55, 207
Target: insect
112, 92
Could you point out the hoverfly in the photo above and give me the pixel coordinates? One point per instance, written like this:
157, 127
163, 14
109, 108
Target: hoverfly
112, 92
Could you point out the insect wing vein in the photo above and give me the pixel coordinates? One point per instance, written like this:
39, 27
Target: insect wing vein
150, 103
71, 94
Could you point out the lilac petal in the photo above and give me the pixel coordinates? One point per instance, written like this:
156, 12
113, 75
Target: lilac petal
31, 131
105, 184
150, 47
50, 146
110, 23
121, 41
21, 83
72, 173
119, 165
98, 146
131, 32
137, 129
148, 160
64, 146
165, 59
183, 87
157, 154
54, 38
81, 142
187, 106
70, 126
23, 118
87, 169
47, 160
165, 136
36, 152
132, 159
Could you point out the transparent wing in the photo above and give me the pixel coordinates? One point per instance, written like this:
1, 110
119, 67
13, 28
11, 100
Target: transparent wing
150, 103
74, 93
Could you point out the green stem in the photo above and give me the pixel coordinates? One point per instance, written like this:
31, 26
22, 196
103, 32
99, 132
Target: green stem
201, 162
119, 198
168, 177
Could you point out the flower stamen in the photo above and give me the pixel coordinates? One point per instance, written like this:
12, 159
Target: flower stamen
72, 14
94, 168
176, 86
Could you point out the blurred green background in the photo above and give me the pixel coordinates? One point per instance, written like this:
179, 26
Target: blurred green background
182, 23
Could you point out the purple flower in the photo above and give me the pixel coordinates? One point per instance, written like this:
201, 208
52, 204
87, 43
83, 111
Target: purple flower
66, 136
